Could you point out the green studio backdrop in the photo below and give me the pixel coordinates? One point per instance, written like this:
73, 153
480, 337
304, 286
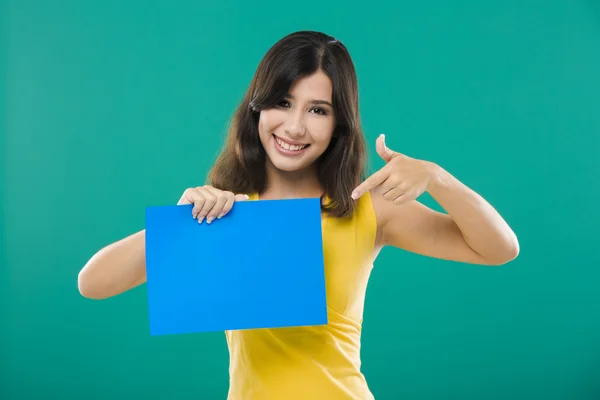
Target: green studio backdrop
108, 107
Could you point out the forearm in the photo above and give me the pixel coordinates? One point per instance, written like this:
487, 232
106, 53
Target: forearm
114, 269
481, 225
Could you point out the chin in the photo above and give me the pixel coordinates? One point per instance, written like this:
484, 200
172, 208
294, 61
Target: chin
288, 165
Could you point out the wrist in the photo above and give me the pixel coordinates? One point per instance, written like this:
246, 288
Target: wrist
437, 176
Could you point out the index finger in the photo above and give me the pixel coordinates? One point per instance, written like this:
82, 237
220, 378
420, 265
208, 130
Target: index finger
374, 180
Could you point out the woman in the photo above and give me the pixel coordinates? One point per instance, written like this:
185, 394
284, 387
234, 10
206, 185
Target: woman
297, 134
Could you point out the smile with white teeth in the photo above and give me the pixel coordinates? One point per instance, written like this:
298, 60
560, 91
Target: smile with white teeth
291, 147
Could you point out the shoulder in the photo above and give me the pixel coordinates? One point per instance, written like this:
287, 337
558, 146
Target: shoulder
399, 224
364, 218
384, 212
365, 209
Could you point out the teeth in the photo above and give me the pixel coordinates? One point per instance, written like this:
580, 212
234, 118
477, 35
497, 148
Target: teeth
289, 146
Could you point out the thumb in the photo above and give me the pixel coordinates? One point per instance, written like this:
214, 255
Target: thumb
241, 197
383, 151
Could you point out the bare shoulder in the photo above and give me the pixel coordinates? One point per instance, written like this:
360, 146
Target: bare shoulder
414, 227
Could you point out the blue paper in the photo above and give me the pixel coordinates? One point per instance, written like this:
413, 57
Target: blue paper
260, 266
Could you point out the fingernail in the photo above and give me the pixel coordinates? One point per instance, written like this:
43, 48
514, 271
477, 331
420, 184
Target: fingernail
209, 220
219, 216
354, 195
247, 197
200, 219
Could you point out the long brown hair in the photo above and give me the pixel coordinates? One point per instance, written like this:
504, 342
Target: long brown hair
240, 167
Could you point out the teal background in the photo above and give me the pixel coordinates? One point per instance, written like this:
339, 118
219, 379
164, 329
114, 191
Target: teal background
108, 107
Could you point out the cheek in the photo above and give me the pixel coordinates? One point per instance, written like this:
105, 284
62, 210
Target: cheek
322, 132
267, 122
262, 122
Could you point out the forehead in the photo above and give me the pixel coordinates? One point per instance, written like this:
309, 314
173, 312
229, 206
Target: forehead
316, 86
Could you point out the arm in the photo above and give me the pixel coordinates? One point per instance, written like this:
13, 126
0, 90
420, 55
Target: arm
471, 232
115, 269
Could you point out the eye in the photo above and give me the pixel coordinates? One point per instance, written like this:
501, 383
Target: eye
283, 103
320, 111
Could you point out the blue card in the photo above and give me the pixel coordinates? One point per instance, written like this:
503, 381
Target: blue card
260, 266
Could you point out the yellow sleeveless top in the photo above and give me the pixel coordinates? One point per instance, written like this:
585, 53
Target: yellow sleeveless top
314, 362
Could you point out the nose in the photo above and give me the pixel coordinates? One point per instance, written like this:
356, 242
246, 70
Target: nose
295, 125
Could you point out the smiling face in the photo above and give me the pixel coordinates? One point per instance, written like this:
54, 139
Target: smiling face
330, 159
297, 131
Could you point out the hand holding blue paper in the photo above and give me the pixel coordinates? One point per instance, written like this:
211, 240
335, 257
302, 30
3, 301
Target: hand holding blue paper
209, 202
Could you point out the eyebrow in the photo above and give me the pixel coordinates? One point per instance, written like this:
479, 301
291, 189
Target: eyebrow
313, 101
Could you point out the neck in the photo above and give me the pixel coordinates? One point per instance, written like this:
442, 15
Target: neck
294, 184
